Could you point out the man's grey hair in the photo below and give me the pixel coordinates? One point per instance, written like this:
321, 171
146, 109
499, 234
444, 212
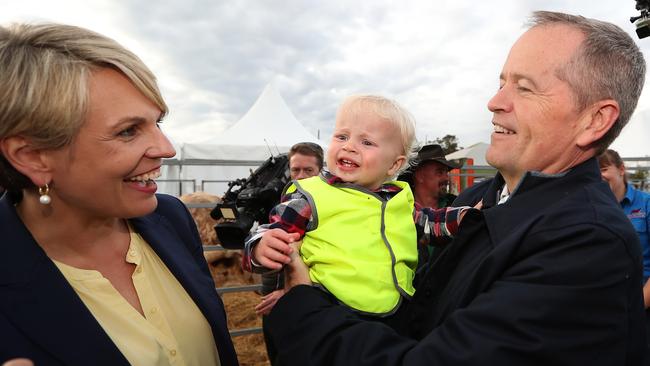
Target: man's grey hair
607, 65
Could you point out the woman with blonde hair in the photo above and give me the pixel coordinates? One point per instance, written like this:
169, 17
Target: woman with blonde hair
97, 269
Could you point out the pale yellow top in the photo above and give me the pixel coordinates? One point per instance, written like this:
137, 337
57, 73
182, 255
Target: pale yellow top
174, 332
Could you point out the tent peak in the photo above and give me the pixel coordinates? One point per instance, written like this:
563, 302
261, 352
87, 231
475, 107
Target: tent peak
268, 123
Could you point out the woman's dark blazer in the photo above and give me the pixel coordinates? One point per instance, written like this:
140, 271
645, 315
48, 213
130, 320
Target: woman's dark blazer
43, 319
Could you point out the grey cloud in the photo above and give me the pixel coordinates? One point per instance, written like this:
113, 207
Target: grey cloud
232, 49
235, 48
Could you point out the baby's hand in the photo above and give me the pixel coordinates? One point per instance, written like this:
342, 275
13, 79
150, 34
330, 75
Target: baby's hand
273, 249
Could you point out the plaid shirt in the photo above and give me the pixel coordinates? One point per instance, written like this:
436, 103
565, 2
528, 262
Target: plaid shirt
293, 214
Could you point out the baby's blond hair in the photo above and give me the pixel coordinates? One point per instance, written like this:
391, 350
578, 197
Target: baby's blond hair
389, 110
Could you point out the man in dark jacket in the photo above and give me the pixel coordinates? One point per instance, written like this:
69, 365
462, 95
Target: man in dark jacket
549, 271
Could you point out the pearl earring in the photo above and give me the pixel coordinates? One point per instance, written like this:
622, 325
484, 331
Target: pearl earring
44, 199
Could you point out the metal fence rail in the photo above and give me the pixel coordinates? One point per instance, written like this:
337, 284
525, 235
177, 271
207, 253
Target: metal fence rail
208, 181
231, 289
226, 290
245, 331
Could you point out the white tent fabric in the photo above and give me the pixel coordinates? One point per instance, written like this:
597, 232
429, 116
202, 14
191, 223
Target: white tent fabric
268, 128
475, 152
170, 172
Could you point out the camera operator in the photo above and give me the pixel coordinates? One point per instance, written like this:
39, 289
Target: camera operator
305, 160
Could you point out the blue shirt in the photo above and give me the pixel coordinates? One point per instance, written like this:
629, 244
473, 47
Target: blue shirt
636, 205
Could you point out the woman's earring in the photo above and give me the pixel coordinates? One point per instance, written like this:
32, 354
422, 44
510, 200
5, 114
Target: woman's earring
45, 198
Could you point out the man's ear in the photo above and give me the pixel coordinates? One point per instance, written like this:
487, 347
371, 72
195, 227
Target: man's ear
599, 119
28, 160
397, 164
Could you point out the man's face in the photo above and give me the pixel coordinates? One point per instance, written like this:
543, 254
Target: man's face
431, 178
303, 166
535, 120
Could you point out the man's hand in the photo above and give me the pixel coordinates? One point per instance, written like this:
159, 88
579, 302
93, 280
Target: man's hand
273, 250
478, 206
18, 362
296, 272
268, 301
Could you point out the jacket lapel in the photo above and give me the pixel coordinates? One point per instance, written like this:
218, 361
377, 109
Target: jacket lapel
38, 300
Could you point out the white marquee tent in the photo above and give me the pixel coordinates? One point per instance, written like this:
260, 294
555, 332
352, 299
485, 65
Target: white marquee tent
475, 152
268, 128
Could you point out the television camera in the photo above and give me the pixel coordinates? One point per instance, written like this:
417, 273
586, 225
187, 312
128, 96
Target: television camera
642, 22
249, 200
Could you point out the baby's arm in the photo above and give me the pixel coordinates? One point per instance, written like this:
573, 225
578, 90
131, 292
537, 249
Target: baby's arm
437, 225
267, 249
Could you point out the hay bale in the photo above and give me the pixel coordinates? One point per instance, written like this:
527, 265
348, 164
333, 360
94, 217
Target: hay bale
204, 221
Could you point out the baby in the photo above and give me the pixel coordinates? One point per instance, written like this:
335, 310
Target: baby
356, 223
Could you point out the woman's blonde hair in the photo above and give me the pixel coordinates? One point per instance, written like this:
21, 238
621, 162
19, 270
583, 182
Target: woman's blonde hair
44, 70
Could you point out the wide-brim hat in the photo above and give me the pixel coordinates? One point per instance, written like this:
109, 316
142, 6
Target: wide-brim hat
435, 153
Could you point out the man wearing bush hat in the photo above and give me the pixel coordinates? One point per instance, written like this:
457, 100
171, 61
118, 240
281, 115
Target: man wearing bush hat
429, 177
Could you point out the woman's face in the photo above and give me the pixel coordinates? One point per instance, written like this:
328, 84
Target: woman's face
614, 176
108, 169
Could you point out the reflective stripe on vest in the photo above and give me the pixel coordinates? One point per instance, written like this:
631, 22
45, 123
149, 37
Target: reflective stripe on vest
363, 249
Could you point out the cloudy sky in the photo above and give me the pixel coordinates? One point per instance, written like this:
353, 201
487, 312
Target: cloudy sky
440, 59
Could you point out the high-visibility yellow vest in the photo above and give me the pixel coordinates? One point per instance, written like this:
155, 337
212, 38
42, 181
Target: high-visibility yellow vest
363, 249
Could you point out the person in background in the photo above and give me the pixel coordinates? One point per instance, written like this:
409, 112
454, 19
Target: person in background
96, 268
305, 160
548, 272
636, 205
429, 177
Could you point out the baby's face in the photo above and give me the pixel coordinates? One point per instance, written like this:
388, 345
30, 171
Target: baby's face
365, 149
